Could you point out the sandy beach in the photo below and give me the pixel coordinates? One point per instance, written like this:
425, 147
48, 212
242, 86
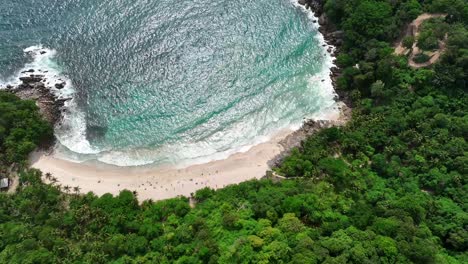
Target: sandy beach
157, 183
163, 183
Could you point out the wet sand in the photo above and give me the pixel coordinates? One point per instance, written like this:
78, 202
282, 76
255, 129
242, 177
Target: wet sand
160, 183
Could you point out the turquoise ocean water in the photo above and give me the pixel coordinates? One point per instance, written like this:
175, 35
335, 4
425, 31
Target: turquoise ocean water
169, 82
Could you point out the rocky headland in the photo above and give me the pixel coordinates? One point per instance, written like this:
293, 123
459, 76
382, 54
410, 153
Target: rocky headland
34, 85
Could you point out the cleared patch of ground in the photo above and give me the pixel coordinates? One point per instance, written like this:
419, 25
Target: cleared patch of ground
413, 30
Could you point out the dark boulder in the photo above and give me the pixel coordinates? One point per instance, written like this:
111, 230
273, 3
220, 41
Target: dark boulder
317, 7
31, 78
23, 86
335, 70
60, 85
61, 102
323, 20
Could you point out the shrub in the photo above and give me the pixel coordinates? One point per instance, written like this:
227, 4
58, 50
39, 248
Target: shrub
408, 42
421, 58
427, 41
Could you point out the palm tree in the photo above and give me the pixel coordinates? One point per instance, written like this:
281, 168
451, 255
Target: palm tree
48, 175
76, 189
66, 188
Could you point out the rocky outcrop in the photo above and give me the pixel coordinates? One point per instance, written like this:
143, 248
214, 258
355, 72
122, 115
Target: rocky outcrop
323, 20
315, 5
31, 79
308, 128
33, 87
334, 40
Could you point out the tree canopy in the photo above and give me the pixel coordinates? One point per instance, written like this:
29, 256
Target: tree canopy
22, 128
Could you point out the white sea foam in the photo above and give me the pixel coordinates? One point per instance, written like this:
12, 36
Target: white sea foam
183, 154
71, 133
187, 153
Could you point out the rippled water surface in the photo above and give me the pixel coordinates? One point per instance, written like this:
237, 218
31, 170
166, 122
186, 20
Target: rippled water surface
169, 81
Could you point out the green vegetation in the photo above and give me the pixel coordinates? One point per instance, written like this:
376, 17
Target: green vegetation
21, 129
254, 222
390, 187
432, 31
408, 42
421, 58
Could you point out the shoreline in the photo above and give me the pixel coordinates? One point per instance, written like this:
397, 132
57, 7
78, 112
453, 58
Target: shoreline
333, 38
159, 183
163, 182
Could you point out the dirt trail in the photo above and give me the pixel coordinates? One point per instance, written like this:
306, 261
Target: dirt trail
434, 56
413, 30
14, 183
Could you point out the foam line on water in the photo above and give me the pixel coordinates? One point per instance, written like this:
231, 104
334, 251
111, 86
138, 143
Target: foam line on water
72, 130
183, 154
188, 153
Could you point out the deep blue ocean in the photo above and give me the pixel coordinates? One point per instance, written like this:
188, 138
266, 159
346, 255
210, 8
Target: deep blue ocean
169, 82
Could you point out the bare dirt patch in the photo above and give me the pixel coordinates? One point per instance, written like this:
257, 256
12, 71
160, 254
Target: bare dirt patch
413, 30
